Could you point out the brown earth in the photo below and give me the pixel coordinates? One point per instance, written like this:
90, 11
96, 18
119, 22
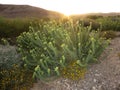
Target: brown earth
104, 75
22, 11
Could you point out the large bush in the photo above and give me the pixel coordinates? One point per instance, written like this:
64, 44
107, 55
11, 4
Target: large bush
50, 47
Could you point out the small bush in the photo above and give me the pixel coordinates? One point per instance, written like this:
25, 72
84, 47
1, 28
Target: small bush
13, 76
73, 71
108, 34
94, 26
4, 41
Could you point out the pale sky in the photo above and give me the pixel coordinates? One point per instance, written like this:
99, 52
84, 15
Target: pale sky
69, 7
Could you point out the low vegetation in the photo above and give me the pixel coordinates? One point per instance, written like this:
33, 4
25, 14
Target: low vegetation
13, 27
13, 76
108, 34
110, 23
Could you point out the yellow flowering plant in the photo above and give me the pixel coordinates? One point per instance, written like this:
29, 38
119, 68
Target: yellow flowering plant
50, 46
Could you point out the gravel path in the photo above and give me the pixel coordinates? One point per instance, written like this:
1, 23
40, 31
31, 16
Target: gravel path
101, 76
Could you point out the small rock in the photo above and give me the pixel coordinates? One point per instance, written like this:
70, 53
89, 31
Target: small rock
94, 88
94, 80
100, 87
97, 75
96, 70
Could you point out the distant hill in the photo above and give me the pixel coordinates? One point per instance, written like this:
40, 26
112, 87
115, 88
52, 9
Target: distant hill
21, 11
96, 14
106, 14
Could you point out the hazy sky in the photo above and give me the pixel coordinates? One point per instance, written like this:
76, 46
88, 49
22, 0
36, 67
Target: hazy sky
71, 6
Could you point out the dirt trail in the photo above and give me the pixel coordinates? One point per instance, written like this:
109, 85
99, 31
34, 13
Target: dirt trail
102, 76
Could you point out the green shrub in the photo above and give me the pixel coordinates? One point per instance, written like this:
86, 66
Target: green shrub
3, 41
108, 34
51, 46
13, 76
94, 26
110, 23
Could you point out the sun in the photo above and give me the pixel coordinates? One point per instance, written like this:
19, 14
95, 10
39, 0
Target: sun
70, 7
67, 13
67, 7
72, 12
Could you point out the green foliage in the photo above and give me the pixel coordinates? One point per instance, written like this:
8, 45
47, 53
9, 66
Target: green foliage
13, 76
94, 26
94, 17
12, 27
110, 23
50, 46
108, 34
4, 41
107, 22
